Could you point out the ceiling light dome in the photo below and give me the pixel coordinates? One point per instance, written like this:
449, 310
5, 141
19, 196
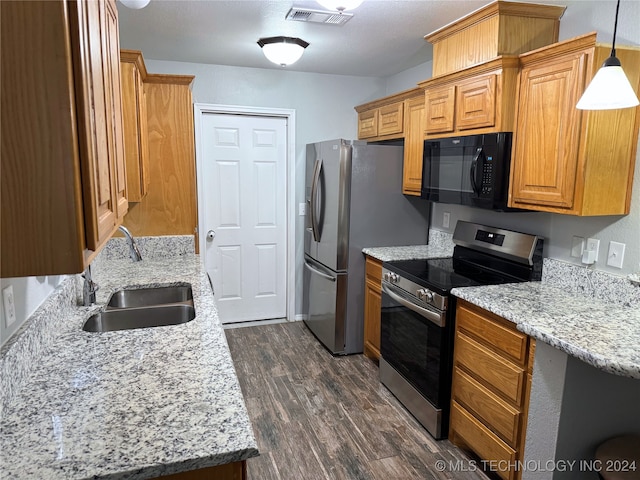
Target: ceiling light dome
135, 4
283, 51
340, 5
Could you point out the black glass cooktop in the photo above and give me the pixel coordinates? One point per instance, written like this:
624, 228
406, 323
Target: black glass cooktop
443, 274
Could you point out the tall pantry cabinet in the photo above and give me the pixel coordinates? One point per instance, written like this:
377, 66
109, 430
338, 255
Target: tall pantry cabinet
63, 182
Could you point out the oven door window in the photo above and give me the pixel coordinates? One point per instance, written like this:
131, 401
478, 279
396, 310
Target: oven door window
415, 347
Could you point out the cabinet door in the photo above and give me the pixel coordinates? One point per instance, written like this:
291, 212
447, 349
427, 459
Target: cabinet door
100, 119
390, 119
134, 110
111, 47
368, 124
545, 160
476, 103
440, 103
372, 305
414, 125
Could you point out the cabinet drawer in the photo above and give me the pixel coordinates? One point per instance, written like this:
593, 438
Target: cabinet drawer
368, 124
476, 103
500, 374
490, 328
391, 119
373, 270
497, 414
482, 441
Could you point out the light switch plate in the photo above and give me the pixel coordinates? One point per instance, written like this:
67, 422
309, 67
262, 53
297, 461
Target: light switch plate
615, 257
302, 209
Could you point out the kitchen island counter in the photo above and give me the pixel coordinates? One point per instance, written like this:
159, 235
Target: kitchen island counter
131, 404
603, 334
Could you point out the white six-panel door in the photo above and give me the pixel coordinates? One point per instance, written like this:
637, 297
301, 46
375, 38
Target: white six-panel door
245, 184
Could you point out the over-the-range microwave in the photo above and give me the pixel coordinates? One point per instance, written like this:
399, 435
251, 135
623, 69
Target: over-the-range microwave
471, 170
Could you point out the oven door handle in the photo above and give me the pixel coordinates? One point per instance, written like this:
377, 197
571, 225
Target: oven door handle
430, 315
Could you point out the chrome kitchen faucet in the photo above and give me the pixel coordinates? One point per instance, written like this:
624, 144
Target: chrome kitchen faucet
134, 251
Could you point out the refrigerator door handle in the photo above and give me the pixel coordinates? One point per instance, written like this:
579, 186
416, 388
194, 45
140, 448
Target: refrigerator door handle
314, 196
318, 272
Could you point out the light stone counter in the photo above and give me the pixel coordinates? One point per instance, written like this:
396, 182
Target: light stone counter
601, 333
130, 404
440, 245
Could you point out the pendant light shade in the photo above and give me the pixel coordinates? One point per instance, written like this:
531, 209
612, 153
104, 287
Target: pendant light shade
283, 51
135, 4
340, 5
610, 88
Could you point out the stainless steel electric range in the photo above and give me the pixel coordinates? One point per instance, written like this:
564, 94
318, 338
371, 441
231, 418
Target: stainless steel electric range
418, 313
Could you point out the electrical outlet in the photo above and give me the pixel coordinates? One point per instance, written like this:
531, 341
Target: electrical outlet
9, 305
615, 257
592, 250
446, 218
577, 246
302, 209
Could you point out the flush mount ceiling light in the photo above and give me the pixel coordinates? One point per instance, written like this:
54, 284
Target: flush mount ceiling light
340, 5
282, 51
135, 4
610, 88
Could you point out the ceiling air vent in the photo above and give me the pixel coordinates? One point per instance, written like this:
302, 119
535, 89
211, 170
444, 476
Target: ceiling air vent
318, 16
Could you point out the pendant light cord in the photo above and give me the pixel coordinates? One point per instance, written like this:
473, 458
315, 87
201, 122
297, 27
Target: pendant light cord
615, 28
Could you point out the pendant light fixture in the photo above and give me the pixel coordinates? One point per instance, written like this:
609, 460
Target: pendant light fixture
610, 89
340, 5
283, 51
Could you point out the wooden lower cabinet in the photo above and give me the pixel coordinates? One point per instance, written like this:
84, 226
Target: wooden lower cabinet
229, 471
490, 393
372, 304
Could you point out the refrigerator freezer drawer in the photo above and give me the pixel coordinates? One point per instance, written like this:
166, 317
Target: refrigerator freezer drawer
324, 304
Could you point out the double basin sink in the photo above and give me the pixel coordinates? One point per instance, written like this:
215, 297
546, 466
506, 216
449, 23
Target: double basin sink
144, 308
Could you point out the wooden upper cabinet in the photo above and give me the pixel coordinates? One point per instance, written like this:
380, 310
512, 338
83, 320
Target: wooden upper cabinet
383, 119
476, 103
390, 119
414, 120
63, 188
440, 105
567, 160
478, 99
499, 28
134, 112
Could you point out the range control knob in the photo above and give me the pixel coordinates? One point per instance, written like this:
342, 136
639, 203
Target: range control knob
425, 295
391, 277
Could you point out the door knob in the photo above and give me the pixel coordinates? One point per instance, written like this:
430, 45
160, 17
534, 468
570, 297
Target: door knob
211, 235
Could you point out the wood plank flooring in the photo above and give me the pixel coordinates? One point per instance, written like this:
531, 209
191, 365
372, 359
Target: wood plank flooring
318, 417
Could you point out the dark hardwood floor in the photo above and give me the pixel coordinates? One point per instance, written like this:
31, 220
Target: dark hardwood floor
316, 416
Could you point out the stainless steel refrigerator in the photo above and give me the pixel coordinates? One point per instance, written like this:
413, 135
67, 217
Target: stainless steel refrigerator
354, 200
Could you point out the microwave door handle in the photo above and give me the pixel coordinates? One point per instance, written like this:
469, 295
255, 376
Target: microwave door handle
314, 197
474, 166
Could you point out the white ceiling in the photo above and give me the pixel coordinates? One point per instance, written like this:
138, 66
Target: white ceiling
384, 37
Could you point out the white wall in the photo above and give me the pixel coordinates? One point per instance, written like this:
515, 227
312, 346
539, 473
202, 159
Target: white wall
28, 294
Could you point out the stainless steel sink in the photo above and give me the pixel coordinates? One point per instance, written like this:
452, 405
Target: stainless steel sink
145, 297
130, 318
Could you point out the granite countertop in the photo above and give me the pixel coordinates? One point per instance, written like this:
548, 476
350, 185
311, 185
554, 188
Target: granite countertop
603, 334
130, 404
409, 252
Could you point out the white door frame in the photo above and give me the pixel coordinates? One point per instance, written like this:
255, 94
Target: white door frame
200, 109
